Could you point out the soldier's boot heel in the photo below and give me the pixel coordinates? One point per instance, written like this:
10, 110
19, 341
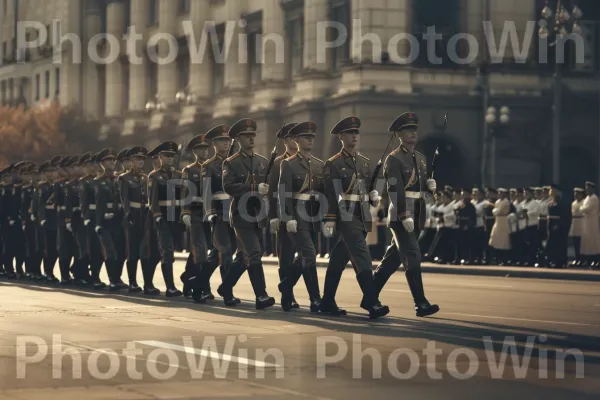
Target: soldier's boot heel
209, 269
286, 287
422, 306
311, 280
65, 275
257, 279
370, 301
167, 270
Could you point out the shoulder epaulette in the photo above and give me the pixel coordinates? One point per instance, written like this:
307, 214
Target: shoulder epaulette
233, 157
319, 160
290, 158
335, 157
264, 158
360, 155
419, 153
280, 157
213, 158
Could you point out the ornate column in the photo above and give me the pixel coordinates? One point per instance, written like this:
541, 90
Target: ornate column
167, 72
138, 76
200, 72
115, 23
91, 85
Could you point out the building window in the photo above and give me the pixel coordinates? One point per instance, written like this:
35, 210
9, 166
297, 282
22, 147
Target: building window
184, 6
4, 8
47, 83
183, 64
127, 16
218, 58
4, 52
444, 16
152, 12
152, 79
340, 13
126, 79
296, 45
255, 60
37, 87
57, 81
3, 91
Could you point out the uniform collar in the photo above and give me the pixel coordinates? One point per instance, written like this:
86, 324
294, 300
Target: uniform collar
246, 154
347, 153
301, 156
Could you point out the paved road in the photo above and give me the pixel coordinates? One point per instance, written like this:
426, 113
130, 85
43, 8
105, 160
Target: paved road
132, 347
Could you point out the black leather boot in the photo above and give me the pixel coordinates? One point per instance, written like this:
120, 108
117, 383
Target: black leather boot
167, 270
422, 306
286, 287
311, 280
257, 279
225, 290
370, 301
332, 281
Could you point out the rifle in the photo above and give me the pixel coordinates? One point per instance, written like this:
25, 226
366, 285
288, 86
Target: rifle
273, 155
433, 164
380, 164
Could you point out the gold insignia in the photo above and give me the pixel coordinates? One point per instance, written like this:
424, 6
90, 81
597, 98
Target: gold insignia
261, 165
423, 163
224, 171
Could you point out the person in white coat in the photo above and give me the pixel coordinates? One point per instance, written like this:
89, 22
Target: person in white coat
500, 235
590, 239
576, 230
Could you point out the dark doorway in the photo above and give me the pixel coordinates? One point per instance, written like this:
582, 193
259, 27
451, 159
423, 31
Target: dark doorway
450, 163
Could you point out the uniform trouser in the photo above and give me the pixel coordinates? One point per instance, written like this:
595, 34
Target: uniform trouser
465, 244
557, 247
442, 245
67, 251
577, 245
304, 241
479, 243
110, 235
351, 246
14, 248
249, 240
121, 246
517, 245
95, 254
533, 243
134, 240
83, 259
33, 252
426, 240
50, 249
198, 262
151, 251
404, 249
168, 233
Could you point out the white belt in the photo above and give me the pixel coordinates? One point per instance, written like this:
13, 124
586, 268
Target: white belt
135, 204
76, 208
221, 196
62, 207
304, 196
553, 217
197, 199
92, 207
49, 207
413, 195
354, 197
109, 205
168, 203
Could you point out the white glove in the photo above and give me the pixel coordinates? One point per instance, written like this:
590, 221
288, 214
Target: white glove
158, 219
69, 227
328, 228
274, 225
292, 226
374, 196
187, 220
98, 228
23, 228
409, 225
43, 223
431, 185
263, 188
109, 216
32, 217
86, 222
11, 222
211, 218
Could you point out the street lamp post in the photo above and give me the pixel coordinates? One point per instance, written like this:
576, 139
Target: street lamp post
492, 121
563, 24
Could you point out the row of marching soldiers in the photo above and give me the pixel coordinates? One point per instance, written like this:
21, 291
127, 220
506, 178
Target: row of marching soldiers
77, 209
517, 227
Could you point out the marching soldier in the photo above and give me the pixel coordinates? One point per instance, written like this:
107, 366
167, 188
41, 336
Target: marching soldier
193, 218
37, 179
244, 180
405, 171
285, 248
217, 204
27, 224
345, 177
67, 248
133, 189
16, 239
48, 216
107, 226
558, 229
576, 229
151, 253
590, 240
121, 245
300, 185
164, 194
87, 202
74, 221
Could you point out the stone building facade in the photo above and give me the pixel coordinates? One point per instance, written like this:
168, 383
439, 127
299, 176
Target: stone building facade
308, 82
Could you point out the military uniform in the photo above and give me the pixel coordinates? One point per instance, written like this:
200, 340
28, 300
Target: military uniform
165, 196
406, 174
29, 226
301, 185
217, 204
285, 247
48, 216
345, 176
243, 178
559, 221
15, 240
197, 266
133, 190
34, 220
67, 247
151, 252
